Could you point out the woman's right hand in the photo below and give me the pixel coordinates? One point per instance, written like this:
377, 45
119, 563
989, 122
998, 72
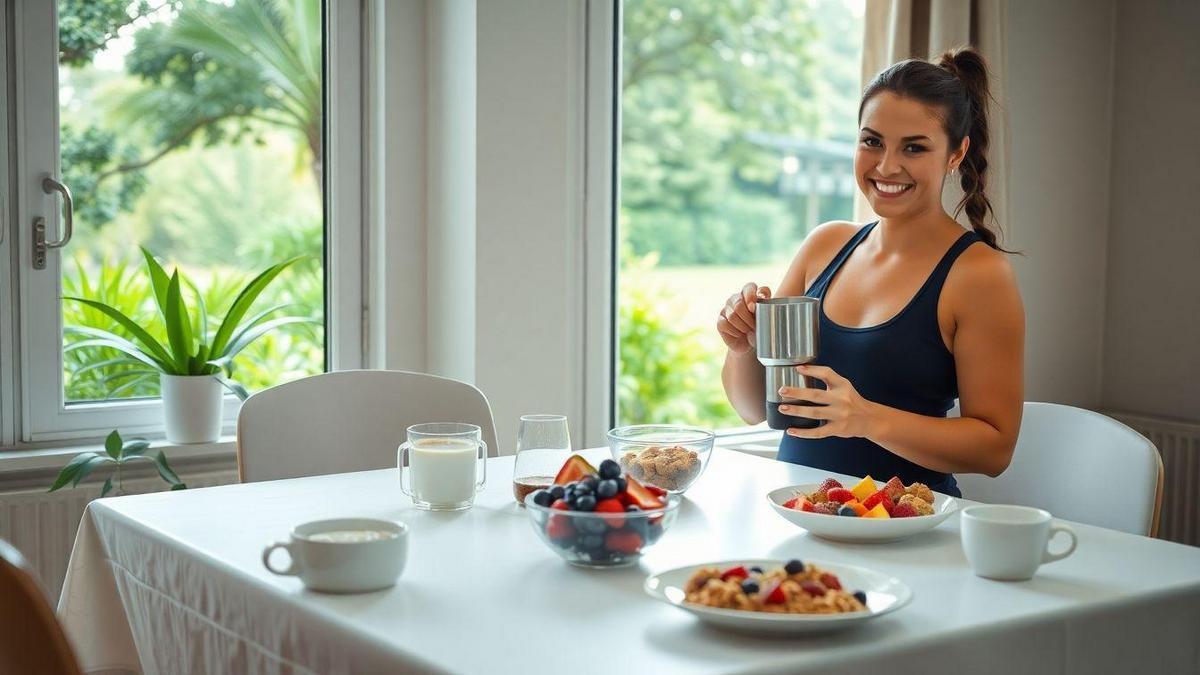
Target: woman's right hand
736, 321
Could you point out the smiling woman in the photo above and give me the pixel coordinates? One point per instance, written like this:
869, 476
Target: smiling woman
912, 314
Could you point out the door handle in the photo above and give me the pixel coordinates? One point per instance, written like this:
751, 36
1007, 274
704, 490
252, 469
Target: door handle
40, 245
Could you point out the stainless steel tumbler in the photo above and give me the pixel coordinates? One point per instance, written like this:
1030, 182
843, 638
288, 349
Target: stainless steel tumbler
785, 336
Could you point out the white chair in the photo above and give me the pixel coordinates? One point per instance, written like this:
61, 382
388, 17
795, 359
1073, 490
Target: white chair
1079, 465
350, 420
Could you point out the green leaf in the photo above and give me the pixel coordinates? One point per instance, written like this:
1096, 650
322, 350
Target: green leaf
107, 363
112, 444
148, 342
135, 447
201, 319
67, 474
242, 304
86, 467
117, 391
247, 337
107, 486
233, 386
165, 470
103, 338
179, 486
179, 325
158, 281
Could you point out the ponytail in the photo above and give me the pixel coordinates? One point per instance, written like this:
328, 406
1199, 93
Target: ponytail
957, 83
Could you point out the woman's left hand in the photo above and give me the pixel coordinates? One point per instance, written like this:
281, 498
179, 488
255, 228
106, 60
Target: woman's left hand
846, 413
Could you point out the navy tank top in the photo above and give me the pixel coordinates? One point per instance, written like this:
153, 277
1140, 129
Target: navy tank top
902, 363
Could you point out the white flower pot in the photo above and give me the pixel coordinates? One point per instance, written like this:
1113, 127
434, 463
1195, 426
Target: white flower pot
191, 407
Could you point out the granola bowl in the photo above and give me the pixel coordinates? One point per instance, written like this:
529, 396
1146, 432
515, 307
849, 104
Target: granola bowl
599, 540
664, 455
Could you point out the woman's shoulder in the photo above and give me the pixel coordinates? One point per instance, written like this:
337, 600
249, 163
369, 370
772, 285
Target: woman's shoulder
980, 272
816, 252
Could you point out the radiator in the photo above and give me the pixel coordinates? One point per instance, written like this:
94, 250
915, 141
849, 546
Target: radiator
1179, 445
41, 525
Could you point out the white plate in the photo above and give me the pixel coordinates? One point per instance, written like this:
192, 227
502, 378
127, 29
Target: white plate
885, 594
859, 530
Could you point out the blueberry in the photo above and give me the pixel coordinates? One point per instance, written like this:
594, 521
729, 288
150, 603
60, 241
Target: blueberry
861, 597
847, 511
591, 525
793, 566
556, 492
571, 499
543, 498
584, 489
622, 484
756, 569
609, 469
591, 542
585, 503
591, 482
633, 508
606, 488
749, 587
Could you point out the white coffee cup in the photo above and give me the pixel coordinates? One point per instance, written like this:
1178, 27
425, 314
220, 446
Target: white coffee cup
1009, 543
344, 555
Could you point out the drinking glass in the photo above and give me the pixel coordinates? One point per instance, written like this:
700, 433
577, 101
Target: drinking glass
543, 444
446, 464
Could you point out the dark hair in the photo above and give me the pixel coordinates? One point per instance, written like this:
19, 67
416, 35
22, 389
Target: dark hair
958, 84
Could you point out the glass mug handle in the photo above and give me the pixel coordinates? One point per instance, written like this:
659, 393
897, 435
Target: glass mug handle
482, 459
401, 455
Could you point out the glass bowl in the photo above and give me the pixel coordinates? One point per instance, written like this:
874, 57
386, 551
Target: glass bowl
664, 455
598, 540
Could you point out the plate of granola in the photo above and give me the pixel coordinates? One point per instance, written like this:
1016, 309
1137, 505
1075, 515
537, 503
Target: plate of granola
866, 512
780, 596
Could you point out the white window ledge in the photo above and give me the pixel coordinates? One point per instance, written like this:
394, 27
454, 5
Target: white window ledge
27, 461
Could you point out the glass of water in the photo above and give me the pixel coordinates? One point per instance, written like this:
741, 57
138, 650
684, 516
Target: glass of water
543, 444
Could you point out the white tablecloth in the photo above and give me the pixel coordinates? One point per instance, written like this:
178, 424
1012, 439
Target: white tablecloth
175, 580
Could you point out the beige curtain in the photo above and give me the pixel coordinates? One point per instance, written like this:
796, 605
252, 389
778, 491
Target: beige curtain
901, 29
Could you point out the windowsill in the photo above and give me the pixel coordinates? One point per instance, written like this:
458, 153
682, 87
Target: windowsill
25, 461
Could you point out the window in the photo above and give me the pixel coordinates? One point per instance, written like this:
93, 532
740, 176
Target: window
736, 139
196, 129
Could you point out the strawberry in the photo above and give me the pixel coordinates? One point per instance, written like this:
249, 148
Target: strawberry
792, 503
641, 495
559, 528
894, 488
812, 588
831, 582
739, 571
840, 495
623, 541
573, 469
612, 505
904, 510
806, 505
655, 490
773, 594
879, 497
828, 484
560, 505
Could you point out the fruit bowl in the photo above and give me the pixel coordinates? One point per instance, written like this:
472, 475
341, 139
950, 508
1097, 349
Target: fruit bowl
664, 455
600, 539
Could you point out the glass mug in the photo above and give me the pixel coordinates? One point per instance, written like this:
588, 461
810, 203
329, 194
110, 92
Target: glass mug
447, 465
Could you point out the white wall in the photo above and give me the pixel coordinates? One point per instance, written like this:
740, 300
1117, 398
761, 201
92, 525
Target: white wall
1059, 93
1151, 360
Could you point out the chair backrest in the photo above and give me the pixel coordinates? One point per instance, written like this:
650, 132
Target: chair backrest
31, 640
351, 420
1078, 465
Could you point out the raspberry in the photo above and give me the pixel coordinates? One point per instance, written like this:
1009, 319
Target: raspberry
806, 505
831, 582
829, 484
828, 508
904, 510
879, 497
840, 495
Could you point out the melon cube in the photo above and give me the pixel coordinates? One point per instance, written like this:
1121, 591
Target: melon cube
858, 507
865, 488
877, 512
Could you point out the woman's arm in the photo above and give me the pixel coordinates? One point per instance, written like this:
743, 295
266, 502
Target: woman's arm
989, 341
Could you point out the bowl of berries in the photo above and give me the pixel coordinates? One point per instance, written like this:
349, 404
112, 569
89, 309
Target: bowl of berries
599, 517
866, 512
667, 456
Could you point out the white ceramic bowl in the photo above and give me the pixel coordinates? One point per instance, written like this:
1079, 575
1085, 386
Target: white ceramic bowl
885, 594
859, 530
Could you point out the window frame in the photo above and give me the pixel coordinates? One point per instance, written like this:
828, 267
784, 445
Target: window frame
32, 406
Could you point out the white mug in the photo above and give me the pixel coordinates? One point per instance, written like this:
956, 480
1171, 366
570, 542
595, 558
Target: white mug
446, 465
1009, 543
345, 555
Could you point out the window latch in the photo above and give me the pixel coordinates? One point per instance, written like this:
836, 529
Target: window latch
40, 245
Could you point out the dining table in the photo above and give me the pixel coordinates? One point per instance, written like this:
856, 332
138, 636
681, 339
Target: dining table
173, 583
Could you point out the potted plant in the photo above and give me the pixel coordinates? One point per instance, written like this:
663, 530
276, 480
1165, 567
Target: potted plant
193, 365
118, 453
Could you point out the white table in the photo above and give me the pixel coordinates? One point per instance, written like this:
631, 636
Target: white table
178, 575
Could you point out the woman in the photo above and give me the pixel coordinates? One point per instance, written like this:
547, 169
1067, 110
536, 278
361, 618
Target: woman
915, 311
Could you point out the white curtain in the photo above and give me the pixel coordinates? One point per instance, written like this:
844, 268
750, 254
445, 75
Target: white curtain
895, 30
